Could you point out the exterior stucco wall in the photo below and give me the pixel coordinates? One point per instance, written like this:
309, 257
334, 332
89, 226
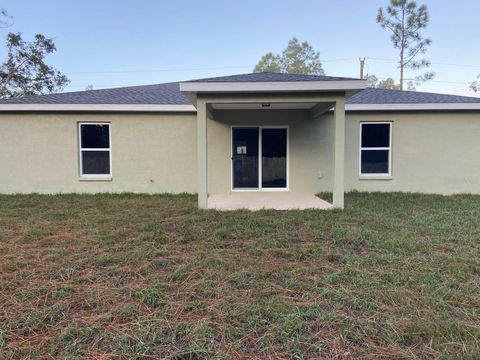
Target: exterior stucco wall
310, 147
432, 152
151, 153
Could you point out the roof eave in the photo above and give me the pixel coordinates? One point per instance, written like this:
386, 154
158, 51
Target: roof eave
97, 107
413, 107
185, 108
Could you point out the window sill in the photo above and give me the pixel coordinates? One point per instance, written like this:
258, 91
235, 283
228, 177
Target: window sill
375, 177
95, 178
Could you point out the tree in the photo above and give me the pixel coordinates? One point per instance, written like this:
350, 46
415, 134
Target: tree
25, 71
269, 63
406, 20
372, 81
475, 86
388, 83
5, 19
297, 58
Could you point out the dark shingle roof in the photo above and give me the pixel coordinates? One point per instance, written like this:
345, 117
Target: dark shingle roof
164, 94
271, 77
384, 96
169, 93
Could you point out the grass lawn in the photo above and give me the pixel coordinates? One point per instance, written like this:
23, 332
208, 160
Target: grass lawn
137, 276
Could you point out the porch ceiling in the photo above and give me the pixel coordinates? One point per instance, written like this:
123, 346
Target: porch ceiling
264, 106
316, 108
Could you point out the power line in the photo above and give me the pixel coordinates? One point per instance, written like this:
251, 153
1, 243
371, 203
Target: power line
247, 67
157, 70
101, 86
380, 59
433, 63
184, 69
340, 59
457, 65
380, 78
434, 81
445, 82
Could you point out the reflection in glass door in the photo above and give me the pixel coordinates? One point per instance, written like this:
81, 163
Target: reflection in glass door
245, 158
274, 158
259, 158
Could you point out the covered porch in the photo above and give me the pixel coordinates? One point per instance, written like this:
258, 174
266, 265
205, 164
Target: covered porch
295, 128
266, 152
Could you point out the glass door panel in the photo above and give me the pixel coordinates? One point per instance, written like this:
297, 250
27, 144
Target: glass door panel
245, 157
274, 158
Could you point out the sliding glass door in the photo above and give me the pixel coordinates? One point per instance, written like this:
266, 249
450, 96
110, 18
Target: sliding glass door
245, 158
259, 158
274, 158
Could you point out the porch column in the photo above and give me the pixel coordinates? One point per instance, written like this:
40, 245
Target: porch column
339, 155
202, 184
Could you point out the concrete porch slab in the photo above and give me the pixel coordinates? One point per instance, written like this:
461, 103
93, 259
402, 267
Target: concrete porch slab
266, 200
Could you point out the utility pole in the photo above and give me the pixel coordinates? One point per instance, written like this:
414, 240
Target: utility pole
362, 67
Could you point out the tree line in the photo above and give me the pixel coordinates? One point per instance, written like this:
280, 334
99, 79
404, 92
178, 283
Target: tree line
25, 71
404, 20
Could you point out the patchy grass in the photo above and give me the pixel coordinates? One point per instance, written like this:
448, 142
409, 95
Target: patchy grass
137, 276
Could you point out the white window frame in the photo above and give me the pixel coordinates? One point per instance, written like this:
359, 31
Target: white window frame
81, 150
389, 149
260, 187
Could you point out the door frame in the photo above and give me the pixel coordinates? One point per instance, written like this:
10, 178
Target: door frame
260, 188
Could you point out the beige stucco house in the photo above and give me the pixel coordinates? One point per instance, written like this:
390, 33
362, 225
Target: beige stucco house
255, 134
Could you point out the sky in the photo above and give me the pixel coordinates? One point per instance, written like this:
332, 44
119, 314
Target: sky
112, 43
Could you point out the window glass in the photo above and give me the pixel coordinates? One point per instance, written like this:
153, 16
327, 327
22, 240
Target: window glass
375, 147
96, 162
94, 149
95, 136
375, 135
375, 161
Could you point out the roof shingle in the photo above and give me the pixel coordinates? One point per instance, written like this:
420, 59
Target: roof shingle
387, 96
159, 94
169, 93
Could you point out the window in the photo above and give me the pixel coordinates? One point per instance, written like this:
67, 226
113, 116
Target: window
375, 149
95, 157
